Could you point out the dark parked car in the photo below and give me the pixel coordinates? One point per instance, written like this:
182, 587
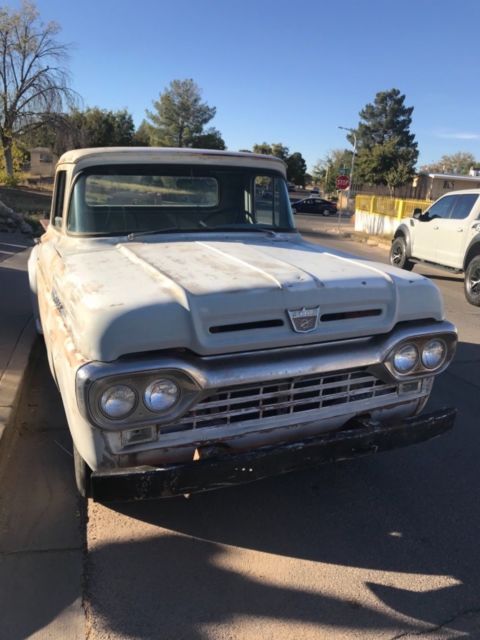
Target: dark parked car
315, 205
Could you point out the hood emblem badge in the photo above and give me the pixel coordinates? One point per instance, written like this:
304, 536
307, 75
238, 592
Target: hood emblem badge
304, 320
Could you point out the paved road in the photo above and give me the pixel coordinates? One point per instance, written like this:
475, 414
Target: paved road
12, 243
381, 547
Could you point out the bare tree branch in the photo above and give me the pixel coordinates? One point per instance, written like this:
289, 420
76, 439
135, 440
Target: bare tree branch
33, 78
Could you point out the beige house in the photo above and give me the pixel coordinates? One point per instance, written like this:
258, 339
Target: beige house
42, 162
433, 185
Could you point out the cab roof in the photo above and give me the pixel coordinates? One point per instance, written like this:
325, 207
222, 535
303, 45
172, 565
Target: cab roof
83, 158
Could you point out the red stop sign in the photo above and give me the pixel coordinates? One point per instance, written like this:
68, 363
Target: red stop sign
342, 182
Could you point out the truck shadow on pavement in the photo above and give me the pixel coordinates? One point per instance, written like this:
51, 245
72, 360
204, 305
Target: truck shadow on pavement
186, 589
403, 525
413, 512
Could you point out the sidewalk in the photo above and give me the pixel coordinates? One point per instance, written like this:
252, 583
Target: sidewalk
345, 228
41, 521
17, 333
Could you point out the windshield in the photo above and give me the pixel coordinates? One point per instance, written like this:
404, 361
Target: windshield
120, 200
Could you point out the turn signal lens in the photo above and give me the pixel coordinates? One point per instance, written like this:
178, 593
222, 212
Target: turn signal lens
433, 354
138, 436
405, 359
161, 395
118, 401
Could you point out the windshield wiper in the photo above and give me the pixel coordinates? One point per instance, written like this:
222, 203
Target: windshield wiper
249, 228
224, 227
152, 232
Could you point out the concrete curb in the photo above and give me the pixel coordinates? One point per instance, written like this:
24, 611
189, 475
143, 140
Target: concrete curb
357, 236
12, 378
373, 241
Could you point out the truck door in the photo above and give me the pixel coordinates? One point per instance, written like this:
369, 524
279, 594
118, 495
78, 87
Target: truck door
425, 234
453, 232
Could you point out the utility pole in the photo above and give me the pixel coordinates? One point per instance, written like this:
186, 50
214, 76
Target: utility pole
352, 131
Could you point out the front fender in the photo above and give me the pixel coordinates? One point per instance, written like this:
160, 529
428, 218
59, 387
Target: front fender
473, 249
403, 230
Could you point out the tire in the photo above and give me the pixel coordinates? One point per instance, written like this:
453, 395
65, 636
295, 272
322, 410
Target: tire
326, 212
398, 255
294, 211
32, 279
82, 474
472, 281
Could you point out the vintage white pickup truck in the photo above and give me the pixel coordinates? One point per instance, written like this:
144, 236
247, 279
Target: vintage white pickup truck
198, 341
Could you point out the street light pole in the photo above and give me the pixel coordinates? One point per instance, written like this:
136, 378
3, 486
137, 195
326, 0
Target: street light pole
352, 131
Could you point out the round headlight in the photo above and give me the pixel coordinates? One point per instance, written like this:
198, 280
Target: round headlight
405, 359
161, 395
118, 401
433, 354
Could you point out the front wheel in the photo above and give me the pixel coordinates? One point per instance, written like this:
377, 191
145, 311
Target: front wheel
326, 212
82, 474
472, 281
398, 255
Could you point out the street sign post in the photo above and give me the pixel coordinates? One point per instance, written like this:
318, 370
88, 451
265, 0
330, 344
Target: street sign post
342, 182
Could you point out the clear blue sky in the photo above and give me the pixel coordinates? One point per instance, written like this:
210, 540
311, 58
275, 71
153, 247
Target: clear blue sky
283, 71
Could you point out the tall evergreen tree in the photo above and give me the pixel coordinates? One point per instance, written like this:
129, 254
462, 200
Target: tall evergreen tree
180, 116
296, 168
386, 148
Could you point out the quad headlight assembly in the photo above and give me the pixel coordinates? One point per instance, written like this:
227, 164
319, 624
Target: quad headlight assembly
420, 356
140, 398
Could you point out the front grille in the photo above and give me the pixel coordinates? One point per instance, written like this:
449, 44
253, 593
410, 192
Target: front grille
279, 398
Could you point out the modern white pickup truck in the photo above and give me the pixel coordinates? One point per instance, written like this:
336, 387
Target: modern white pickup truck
198, 341
446, 235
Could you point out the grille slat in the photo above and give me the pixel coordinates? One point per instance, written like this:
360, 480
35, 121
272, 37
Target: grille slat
359, 395
284, 397
212, 404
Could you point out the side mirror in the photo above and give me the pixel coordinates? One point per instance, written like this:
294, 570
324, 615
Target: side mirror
417, 213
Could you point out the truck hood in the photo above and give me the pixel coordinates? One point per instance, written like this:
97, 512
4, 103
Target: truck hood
222, 294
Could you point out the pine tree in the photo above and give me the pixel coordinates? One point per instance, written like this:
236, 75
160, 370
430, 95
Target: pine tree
180, 117
386, 149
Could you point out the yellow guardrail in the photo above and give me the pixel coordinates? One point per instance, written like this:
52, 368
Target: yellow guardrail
394, 207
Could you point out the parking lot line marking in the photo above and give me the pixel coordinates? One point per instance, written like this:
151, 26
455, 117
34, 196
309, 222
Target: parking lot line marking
16, 246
